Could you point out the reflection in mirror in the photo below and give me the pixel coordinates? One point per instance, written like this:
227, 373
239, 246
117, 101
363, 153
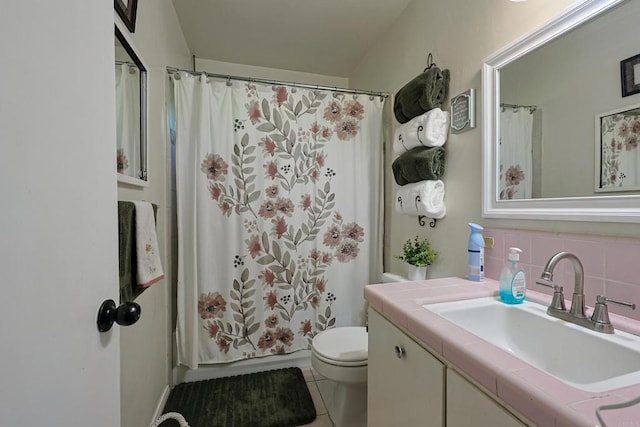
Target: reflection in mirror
130, 110
541, 97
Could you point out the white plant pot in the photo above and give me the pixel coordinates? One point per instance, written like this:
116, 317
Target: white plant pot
416, 273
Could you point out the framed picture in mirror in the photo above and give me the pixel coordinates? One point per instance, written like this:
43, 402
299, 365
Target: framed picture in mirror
630, 75
617, 151
127, 10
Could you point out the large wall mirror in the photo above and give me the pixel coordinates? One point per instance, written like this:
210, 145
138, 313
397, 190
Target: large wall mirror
560, 139
131, 113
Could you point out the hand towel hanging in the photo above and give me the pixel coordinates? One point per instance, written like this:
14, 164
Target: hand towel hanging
149, 266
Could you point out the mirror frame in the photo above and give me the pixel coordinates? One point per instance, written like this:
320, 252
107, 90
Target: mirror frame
142, 179
617, 208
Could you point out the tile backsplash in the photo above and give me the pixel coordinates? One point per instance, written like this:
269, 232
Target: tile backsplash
611, 264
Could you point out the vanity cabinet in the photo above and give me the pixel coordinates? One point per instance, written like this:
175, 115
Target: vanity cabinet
405, 382
408, 386
469, 406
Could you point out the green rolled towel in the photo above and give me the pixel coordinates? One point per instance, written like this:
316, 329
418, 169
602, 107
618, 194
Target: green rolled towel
419, 164
425, 92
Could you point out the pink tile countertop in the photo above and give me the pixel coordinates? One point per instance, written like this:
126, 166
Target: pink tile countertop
538, 396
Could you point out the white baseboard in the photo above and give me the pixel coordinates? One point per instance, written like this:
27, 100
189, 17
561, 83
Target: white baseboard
163, 399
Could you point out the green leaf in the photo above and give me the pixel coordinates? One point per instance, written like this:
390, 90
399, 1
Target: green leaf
253, 329
249, 294
247, 304
290, 245
286, 258
276, 250
249, 150
265, 260
265, 241
331, 197
305, 101
236, 285
332, 322
237, 317
298, 108
276, 137
236, 150
327, 312
298, 236
277, 268
277, 118
287, 128
253, 196
245, 275
322, 319
235, 307
239, 184
234, 295
265, 109
245, 140
266, 127
327, 187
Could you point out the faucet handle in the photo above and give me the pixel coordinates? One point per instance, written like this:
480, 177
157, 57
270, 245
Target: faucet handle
601, 312
557, 303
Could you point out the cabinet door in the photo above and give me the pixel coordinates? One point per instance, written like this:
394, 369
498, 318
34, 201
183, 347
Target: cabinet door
469, 406
405, 382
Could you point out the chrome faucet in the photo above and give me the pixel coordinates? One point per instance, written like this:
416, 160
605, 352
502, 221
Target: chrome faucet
599, 321
577, 301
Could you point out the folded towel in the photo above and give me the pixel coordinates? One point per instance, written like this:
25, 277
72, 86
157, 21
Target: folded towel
427, 130
427, 91
149, 267
419, 164
422, 198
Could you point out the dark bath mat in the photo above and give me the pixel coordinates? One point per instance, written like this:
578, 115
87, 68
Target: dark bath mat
278, 398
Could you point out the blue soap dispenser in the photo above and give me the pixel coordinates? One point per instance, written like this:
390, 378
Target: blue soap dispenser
475, 252
512, 280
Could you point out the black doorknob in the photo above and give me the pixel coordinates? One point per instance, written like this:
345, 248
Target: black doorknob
126, 314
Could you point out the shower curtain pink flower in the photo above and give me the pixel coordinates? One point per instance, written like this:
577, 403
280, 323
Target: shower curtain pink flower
279, 215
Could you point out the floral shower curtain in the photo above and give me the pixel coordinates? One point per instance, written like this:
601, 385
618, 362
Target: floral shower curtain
279, 193
128, 119
516, 130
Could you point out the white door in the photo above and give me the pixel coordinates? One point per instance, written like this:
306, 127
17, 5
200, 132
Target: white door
58, 225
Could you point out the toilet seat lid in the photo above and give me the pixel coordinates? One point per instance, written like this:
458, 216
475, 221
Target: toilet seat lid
344, 344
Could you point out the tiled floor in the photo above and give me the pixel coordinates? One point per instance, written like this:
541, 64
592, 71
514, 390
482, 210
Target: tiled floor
319, 388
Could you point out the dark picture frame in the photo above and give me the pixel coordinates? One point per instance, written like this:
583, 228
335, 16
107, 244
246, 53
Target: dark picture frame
630, 75
127, 10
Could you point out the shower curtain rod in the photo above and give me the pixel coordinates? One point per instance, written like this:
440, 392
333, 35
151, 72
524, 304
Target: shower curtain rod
281, 83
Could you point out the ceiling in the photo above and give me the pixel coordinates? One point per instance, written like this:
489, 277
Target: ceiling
316, 36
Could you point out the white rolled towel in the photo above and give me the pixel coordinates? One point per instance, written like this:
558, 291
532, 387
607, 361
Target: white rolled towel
422, 198
428, 130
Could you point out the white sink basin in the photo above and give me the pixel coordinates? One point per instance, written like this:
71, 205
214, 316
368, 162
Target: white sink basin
584, 359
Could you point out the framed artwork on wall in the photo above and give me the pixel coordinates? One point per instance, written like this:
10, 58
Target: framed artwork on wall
127, 10
617, 153
630, 75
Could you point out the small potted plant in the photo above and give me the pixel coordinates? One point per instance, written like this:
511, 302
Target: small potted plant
418, 254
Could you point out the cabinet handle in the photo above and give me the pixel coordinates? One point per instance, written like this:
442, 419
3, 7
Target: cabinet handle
399, 352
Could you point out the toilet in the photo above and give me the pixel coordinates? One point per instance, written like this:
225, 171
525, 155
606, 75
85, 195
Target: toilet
341, 356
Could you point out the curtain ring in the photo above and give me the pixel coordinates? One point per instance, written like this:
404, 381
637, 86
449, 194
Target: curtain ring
229, 81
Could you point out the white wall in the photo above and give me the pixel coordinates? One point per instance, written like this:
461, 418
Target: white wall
146, 356
460, 34
239, 70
